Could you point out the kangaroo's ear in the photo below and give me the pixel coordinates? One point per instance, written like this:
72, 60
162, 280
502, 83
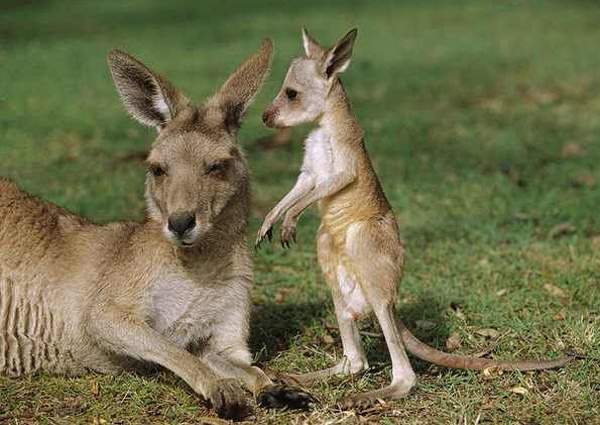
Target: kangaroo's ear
337, 58
236, 94
147, 96
312, 48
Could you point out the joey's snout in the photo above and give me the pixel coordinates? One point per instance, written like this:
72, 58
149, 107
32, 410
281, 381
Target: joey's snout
181, 224
269, 116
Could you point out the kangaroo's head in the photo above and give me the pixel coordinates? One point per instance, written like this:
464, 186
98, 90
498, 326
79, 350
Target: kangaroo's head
196, 171
308, 82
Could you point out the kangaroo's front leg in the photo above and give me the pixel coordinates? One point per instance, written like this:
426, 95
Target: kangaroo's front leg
304, 184
121, 332
267, 393
328, 187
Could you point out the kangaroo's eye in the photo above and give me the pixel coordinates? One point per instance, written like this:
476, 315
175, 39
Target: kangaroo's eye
291, 93
218, 168
157, 170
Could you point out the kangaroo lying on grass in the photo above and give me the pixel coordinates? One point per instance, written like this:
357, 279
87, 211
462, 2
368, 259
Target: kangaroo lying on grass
173, 290
358, 245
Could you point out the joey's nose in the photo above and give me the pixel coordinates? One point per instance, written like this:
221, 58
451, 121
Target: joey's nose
181, 222
268, 117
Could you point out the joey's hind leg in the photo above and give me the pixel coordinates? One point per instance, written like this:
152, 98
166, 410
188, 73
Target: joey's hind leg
377, 256
354, 360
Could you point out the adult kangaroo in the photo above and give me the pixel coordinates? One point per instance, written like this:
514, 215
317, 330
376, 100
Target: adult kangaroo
173, 290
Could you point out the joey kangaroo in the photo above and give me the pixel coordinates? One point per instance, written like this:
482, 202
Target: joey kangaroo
358, 245
173, 290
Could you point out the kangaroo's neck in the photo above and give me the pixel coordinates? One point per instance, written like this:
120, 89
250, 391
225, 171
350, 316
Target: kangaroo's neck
338, 118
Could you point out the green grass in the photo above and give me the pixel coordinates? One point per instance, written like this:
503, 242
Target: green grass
467, 107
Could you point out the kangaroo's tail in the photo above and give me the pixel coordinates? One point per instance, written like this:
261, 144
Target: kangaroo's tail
454, 361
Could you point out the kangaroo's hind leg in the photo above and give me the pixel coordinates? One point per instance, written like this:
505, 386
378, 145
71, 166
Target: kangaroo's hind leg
354, 360
376, 254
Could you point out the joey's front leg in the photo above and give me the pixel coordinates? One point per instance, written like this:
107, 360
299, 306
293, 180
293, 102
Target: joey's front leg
303, 186
326, 188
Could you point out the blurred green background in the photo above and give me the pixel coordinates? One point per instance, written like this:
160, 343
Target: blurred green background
482, 119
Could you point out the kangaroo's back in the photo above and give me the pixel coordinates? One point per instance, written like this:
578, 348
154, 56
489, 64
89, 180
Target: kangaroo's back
33, 332
30, 229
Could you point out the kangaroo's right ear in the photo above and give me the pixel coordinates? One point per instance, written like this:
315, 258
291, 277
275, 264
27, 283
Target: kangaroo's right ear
148, 97
338, 57
233, 98
312, 48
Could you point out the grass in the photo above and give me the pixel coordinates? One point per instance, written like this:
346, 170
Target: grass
482, 120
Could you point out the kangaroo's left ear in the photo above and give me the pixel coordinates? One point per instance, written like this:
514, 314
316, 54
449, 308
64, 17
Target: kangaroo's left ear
337, 58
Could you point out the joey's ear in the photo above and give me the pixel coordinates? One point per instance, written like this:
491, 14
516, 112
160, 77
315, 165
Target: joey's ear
337, 58
148, 97
236, 94
312, 48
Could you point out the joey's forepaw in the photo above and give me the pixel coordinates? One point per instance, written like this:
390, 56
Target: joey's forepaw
265, 232
288, 235
229, 399
284, 396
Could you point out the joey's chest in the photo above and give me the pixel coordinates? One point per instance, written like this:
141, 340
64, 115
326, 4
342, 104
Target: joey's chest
322, 155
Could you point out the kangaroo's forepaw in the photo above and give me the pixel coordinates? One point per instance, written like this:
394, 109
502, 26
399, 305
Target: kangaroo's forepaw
284, 396
229, 399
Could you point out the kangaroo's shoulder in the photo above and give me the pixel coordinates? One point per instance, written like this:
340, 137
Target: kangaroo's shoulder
18, 203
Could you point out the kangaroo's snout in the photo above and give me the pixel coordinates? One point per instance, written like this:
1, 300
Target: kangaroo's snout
181, 222
269, 117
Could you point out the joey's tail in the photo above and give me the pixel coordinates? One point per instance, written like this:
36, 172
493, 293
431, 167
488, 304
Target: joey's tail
440, 358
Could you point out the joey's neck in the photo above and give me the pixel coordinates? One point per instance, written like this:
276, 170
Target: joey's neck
338, 117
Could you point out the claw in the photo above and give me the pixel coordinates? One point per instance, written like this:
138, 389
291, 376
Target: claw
262, 236
284, 396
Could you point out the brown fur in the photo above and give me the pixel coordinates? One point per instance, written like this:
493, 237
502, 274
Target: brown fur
75, 296
358, 244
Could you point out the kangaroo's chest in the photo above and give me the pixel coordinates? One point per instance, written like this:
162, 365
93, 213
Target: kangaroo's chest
183, 309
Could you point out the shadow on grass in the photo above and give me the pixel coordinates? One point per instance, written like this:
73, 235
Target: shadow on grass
275, 326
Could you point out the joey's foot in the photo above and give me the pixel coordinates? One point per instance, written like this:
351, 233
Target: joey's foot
281, 396
363, 400
265, 232
229, 399
288, 234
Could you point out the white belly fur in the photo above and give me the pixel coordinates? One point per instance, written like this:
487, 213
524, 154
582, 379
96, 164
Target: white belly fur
353, 297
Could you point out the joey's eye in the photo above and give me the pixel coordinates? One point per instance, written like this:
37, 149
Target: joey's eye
291, 93
157, 170
218, 168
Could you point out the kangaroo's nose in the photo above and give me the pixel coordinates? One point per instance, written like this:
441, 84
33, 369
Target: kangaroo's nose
181, 222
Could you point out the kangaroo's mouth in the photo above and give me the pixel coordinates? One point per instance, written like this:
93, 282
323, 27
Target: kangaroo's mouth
187, 240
